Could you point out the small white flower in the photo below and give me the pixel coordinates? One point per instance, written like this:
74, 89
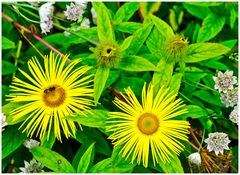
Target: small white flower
30, 143
32, 167
230, 98
94, 15
83, 4
85, 23
195, 158
46, 14
234, 115
3, 121
74, 11
217, 142
224, 81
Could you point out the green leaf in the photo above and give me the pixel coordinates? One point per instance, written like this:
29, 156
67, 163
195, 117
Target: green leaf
8, 68
233, 15
155, 42
139, 37
208, 97
203, 51
211, 26
11, 140
136, 63
214, 65
7, 43
86, 159
175, 83
205, 4
126, 11
52, 160
128, 27
104, 27
195, 111
48, 142
92, 118
8, 108
126, 43
165, 30
173, 166
100, 80
198, 11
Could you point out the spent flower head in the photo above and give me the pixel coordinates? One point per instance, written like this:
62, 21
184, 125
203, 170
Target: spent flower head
85, 23
234, 115
230, 98
224, 81
75, 11
30, 143
195, 158
3, 121
217, 142
46, 15
32, 167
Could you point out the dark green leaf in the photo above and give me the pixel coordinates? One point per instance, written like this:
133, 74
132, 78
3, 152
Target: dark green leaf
136, 63
198, 11
52, 160
92, 118
126, 11
11, 140
208, 97
100, 80
48, 142
8, 68
86, 159
205, 4
203, 51
211, 26
7, 43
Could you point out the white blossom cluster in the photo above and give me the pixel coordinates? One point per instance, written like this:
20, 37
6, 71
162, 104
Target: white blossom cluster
217, 142
225, 82
75, 10
30, 143
46, 16
32, 167
195, 158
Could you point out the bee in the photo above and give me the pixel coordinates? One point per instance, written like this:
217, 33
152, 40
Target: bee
49, 90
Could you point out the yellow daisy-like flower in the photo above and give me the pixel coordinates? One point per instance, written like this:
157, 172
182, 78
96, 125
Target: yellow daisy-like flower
51, 92
148, 127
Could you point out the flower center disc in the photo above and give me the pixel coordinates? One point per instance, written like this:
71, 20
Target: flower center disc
54, 96
148, 123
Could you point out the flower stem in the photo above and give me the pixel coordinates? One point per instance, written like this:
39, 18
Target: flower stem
17, 25
194, 137
192, 145
201, 140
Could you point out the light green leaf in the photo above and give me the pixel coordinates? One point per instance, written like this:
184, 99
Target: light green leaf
136, 63
86, 159
100, 80
205, 4
214, 65
155, 42
8, 68
175, 83
173, 166
211, 26
195, 111
203, 51
104, 27
92, 118
128, 27
52, 160
165, 30
48, 142
233, 15
7, 43
198, 11
126, 11
126, 43
11, 140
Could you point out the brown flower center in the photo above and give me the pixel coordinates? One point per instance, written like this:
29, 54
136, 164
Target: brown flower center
54, 96
148, 123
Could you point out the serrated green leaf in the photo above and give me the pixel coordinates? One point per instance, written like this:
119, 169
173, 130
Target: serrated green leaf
11, 140
203, 51
126, 11
173, 166
52, 160
136, 63
126, 43
92, 118
100, 80
7, 43
128, 27
8, 68
198, 11
165, 30
86, 159
211, 26
104, 27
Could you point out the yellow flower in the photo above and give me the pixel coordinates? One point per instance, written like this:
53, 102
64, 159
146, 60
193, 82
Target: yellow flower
148, 127
51, 92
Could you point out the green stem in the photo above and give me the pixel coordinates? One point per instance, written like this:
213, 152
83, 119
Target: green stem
20, 5
17, 55
77, 34
200, 147
29, 12
205, 86
186, 98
